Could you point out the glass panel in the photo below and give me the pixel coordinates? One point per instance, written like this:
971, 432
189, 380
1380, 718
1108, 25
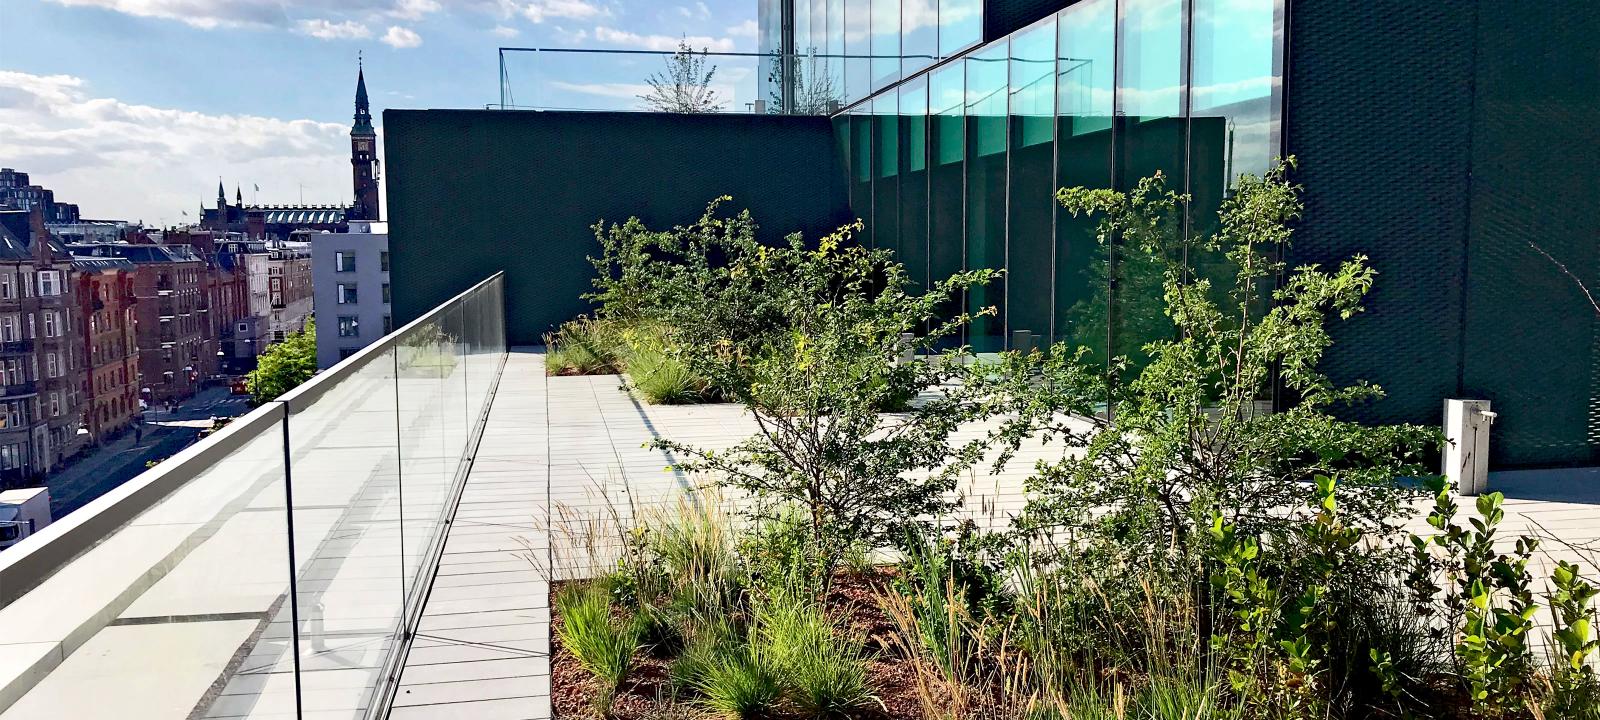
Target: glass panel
1151, 131
345, 475
1030, 244
960, 25
1235, 123
189, 591
834, 62
428, 469
861, 169
885, 42
947, 142
1085, 82
919, 34
858, 44
914, 179
886, 165
986, 189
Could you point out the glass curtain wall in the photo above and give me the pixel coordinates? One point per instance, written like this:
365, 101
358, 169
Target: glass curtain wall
987, 70
1030, 248
957, 167
1086, 61
947, 155
886, 173
914, 185
848, 49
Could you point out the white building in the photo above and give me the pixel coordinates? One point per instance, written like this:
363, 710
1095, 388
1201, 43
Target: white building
350, 275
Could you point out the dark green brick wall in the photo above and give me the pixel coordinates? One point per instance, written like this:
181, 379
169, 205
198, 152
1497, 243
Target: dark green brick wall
472, 192
1439, 139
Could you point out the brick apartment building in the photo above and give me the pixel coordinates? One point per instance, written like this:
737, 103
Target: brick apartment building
175, 350
106, 325
40, 360
224, 297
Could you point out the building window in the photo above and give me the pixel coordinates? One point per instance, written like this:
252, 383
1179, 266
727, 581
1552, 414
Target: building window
383, 260
55, 404
349, 326
344, 261
347, 352
244, 327
7, 290
49, 283
346, 294
386, 293
388, 324
50, 324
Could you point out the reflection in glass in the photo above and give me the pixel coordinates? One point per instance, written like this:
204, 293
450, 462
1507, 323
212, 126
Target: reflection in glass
986, 189
919, 34
1237, 78
886, 171
960, 25
885, 42
861, 169
1085, 83
946, 171
858, 45
1150, 96
1029, 250
914, 179
833, 62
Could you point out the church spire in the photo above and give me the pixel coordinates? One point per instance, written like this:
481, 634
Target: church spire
238, 195
222, 195
363, 110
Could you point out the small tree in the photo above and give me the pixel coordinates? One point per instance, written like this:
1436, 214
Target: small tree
685, 86
283, 366
808, 340
1186, 441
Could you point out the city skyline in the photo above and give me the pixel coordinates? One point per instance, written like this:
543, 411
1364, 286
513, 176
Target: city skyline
121, 106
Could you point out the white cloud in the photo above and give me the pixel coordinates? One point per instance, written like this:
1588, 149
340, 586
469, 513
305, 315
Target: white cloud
634, 40
399, 37
285, 14
329, 30
626, 91
414, 9
746, 29
505, 32
131, 161
537, 11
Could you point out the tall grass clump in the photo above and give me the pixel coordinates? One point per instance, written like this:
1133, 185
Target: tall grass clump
603, 644
584, 346
822, 671
741, 685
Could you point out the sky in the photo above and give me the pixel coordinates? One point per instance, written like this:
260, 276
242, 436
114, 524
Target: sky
134, 108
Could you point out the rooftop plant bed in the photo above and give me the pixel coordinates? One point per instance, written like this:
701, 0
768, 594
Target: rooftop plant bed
1188, 557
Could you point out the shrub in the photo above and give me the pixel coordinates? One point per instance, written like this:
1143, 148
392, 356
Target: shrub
806, 338
602, 644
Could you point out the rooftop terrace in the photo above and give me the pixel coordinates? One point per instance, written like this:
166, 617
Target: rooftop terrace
378, 544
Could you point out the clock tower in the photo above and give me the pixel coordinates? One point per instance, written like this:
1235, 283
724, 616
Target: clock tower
363, 156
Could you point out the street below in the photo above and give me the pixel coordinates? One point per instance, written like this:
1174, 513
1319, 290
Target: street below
121, 460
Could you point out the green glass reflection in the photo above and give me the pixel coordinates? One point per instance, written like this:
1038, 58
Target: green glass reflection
1030, 242
946, 172
1085, 85
913, 119
885, 42
986, 189
861, 169
960, 25
1151, 139
886, 172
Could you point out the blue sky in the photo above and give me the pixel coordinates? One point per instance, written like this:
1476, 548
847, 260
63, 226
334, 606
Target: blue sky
132, 108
